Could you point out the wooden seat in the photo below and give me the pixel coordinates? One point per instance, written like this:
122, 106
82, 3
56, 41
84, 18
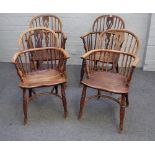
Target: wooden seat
48, 77
101, 78
51, 71
107, 81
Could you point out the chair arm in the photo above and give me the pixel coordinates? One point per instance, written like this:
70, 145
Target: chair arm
87, 34
64, 35
15, 57
137, 59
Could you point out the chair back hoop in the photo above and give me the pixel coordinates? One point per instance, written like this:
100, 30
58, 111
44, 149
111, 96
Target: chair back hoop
119, 39
105, 22
46, 20
37, 38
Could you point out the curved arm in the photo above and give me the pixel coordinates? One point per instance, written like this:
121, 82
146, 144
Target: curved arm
137, 59
39, 49
88, 33
15, 57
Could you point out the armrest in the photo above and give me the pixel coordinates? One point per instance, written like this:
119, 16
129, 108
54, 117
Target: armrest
88, 33
15, 56
137, 59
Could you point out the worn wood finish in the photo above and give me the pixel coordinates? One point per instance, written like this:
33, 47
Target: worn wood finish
103, 76
101, 24
50, 21
50, 72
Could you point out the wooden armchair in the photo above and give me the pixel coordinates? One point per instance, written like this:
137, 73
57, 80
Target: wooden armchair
36, 38
51, 72
101, 24
100, 77
50, 21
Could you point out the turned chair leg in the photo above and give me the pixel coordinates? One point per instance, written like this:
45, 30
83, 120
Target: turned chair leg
30, 92
82, 102
25, 106
122, 112
127, 100
82, 72
99, 94
56, 89
64, 100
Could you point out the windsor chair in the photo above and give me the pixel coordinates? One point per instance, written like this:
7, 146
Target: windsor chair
51, 72
100, 24
36, 38
100, 77
50, 21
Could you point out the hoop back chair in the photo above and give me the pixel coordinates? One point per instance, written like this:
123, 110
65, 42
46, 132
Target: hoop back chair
101, 24
50, 21
37, 38
118, 39
99, 77
50, 73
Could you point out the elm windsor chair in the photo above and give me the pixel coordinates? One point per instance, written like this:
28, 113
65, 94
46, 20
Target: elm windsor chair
50, 73
50, 21
101, 78
100, 24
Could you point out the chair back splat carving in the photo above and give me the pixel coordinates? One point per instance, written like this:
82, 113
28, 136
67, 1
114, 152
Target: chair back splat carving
52, 22
37, 38
105, 22
46, 20
119, 39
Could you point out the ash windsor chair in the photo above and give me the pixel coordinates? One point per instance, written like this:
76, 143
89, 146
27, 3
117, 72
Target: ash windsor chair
101, 24
50, 21
51, 72
100, 77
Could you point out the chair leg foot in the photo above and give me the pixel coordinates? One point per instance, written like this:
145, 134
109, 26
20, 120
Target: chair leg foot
25, 106
82, 72
82, 102
64, 100
65, 114
122, 112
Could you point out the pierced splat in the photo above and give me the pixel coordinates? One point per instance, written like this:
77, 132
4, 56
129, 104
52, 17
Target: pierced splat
45, 21
118, 40
105, 22
38, 36
109, 22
